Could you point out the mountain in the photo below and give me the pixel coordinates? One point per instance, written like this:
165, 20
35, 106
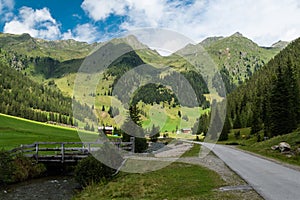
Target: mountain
210, 40
59, 50
269, 101
238, 58
280, 44
20, 96
54, 65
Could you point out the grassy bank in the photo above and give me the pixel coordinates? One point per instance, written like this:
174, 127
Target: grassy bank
249, 142
15, 131
264, 148
177, 181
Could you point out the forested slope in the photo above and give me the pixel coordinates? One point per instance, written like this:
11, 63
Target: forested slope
269, 101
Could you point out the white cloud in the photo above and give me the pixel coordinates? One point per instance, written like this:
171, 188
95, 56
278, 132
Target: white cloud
38, 23
84, 33
264, 21
103, 8
6, 6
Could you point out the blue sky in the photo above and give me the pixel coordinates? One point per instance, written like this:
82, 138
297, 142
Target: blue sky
264, 21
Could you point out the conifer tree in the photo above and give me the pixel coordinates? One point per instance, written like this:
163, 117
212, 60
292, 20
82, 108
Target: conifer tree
282, 119
225, 130
132, 127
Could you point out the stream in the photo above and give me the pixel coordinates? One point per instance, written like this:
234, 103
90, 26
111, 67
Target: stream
48, 188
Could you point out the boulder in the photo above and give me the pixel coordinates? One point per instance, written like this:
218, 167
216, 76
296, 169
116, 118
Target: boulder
275, 147
284, 147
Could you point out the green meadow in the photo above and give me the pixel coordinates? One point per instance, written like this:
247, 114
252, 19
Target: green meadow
15, 131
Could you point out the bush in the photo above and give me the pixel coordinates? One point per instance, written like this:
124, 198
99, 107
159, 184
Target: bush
26, 168
237, 134
6, 167
90, 170
18, 168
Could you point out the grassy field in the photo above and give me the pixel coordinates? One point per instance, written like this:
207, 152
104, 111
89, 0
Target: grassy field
177, 181
249, 142
193, 152
264, 148
16, 131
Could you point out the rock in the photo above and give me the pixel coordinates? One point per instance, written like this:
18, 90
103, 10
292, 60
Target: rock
54, 181
275, 147
298, 150
283, 146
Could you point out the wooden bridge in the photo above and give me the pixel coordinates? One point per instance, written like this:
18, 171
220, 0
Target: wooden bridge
66, 152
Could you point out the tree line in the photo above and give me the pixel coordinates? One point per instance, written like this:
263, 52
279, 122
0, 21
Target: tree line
20, 96
270, 100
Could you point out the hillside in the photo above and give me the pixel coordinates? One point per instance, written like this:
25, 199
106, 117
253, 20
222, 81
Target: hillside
15, 131
20, 96
55, 64
59, 50
236, 57
269, 101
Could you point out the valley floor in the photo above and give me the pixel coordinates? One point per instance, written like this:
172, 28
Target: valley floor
190, 177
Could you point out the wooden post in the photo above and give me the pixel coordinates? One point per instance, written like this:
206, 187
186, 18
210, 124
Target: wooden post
89, 145
132, 140
62, 152
37, 152
21, 148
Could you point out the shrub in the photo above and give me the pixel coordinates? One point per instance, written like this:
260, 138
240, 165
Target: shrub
90, 170
18, 168
26, 168
6, 167
237, 134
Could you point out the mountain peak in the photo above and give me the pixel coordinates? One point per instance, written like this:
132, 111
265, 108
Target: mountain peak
238, 34
280, 44
210, 40
131, 40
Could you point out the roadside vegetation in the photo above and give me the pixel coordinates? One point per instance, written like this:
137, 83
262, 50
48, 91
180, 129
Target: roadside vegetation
193, 152
256, 143
177, 181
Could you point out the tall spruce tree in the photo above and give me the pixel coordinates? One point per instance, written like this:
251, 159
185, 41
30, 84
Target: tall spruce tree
256, 123
132, 127
225, 130
283, 120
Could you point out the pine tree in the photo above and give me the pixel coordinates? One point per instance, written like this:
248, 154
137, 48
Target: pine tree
216, 124
256, 122
110, 112
282, 121
237, 122
225, 130
133, 126
201, 125
154, 133
179, 113
293, 91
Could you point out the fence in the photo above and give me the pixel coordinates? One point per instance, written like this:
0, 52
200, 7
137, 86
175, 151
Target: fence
66, 151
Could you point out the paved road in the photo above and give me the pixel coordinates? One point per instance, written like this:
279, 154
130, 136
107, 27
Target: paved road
271, 180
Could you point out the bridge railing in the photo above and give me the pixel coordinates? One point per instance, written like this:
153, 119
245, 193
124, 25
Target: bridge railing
66, 151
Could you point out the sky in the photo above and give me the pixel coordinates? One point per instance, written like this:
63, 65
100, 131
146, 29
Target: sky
263, 21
